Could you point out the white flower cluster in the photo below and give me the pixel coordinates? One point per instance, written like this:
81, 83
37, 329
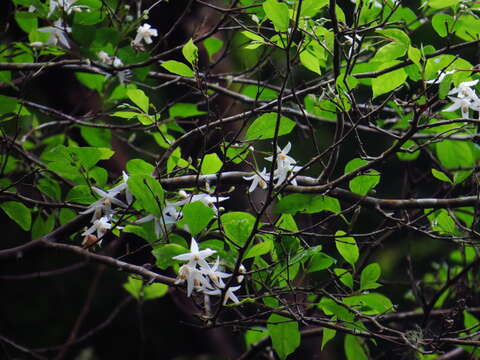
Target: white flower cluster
285, 167
103, 212
465, 100
204, 277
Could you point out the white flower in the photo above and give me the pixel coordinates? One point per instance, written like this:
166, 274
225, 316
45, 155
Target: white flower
58, 34
104, 205
242, 271
145, 33
285, 165
101, 226
104, 57
160, 223
196, 257
214, 274
67, 6
194, 278
464, 104
123, 186
464, 90
205, 199
259, 179
228, 294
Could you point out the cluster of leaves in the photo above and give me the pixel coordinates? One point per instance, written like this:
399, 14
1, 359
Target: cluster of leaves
355, 87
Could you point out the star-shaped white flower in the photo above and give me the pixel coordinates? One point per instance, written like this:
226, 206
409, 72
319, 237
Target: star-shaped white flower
215, 275
104, 205
169, 217
196, 256
257, 179
100, 226
145, 33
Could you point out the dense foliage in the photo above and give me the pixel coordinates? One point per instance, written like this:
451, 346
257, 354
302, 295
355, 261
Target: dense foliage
291, 170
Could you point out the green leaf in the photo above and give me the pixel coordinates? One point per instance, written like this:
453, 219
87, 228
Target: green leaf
264, 127
19, 213
284, 333
81, 194
139, 98
388, 82
327, 335
370, 304
190, 52
330, 307
254, 335
259, 249
369, 276
66, 215
197, 216
456, 154
440, 175
353, 348
345, 277
7, 104
320, 261
140, 291
212, 45
362, 184
139, 167
238, 225
415, 55
91, 17
96, 136
443, 24
347, 247
310, 61
440, 4
27, 21
178, 68
184, 110
42, 227
278, 14
164, 254
50, 187
408, 156
312, 7
307, 203
211, 164
148, 193
91, 81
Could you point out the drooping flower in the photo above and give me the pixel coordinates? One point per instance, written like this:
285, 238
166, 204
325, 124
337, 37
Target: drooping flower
257, 179
215, 275
206, 199
100, 226
58, 34
229, 294
285, 165
169, 217
67, 6
145, 33
104, 205
466, 98
441, 75
193, 277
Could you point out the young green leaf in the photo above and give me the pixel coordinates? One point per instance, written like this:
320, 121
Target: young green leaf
278, 14
353, 348
347, 247
139, 98
190, 52
211, 164
264, 127
178, 68
284, 333
369, 276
